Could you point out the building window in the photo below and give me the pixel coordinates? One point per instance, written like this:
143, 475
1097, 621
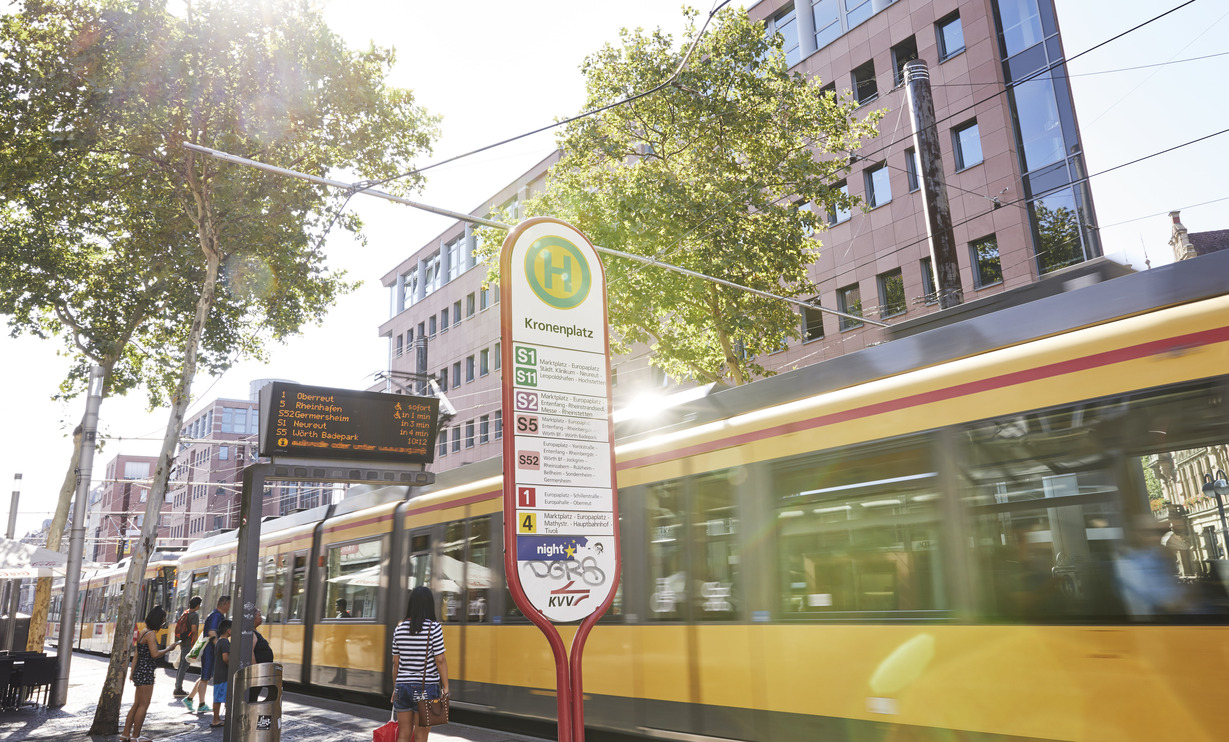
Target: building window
469, 433
456, 374
812, 322
484, 429
857, 11
469, 368
484, 362
827, 16
498, 355
841, 214
422, 330
469, 305
1022, 28
499, 424
456, 439
484, 298
902, 54
912, 167
930, 293
849, 301
442, 443
891, 293
786, 24
456, 312
878, 185
865, 89
443, 379
985, 254
431, 326
967, 144
223, 453
400, 348
950, 35
444, 320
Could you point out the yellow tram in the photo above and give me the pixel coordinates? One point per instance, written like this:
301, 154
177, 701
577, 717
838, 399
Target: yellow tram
927, 539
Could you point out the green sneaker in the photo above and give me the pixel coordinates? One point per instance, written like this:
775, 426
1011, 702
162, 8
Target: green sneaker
202, 709
188, 702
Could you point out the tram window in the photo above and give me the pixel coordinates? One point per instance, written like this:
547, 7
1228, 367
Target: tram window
859, 533
268, 580
297, 582
452, 572
419, 572
478, 572
714, 533
354, 575
277, 611
200, 581
667, 555
465, 575
217, 584
1094, 510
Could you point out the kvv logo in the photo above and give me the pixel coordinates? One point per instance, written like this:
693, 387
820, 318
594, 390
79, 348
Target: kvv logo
558, 272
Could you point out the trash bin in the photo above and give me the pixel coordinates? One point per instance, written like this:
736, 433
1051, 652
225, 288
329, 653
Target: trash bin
260, 707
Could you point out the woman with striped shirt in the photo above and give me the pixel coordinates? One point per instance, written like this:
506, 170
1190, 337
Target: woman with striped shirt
416, 639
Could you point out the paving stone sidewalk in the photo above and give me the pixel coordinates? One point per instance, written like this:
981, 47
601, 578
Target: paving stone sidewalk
304, 718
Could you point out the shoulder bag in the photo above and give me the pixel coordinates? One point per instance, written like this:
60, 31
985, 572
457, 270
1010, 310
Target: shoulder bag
432, 712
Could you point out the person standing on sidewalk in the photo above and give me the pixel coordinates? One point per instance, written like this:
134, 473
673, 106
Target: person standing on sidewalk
186, 639
142, 672
261, 651
220, 676
210, 628
419, 668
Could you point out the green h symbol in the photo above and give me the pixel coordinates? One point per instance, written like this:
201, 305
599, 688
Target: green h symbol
549, 270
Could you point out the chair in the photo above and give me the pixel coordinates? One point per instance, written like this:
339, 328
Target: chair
38, 676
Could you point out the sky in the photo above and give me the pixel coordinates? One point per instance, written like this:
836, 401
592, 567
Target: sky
497, 69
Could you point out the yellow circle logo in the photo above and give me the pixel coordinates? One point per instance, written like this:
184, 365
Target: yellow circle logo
558, 272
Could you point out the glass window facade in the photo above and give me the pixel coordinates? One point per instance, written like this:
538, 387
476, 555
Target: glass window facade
1047, 143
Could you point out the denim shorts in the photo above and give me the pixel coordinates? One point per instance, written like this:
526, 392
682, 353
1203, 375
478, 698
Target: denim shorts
409, 694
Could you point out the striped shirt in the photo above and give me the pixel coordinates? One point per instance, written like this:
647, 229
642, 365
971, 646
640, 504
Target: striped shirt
411, 651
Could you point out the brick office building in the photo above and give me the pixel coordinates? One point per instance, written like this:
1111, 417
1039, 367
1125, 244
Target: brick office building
119, 510
1012, 161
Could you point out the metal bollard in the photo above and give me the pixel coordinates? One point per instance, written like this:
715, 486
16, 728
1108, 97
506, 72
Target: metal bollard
260, 708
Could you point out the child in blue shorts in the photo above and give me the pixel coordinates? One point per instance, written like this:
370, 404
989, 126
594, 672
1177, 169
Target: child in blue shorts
221, 661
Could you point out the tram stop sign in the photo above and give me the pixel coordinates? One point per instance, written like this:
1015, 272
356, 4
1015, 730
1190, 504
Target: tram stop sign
560, 502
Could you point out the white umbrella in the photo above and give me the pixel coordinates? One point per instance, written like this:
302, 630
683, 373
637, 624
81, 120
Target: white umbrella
20, 561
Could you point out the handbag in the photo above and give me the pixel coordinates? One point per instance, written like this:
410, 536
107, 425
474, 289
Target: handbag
195, 652
432, 712
388, 732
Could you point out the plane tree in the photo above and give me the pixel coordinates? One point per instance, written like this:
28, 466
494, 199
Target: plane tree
729, 170
119, 87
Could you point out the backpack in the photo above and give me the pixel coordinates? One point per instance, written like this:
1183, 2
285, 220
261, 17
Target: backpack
183, 627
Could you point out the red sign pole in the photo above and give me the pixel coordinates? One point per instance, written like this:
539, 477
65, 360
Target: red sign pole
561, 525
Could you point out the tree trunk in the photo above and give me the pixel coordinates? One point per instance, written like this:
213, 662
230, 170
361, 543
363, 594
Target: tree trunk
55, 537
106, 715
42, 593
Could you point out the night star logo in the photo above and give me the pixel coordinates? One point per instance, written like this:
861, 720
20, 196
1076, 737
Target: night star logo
548, 548
558, 272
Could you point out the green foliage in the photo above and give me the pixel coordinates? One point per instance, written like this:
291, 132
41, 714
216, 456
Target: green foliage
107, 224
727, 171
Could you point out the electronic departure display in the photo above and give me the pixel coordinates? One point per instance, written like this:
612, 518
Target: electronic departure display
324, 423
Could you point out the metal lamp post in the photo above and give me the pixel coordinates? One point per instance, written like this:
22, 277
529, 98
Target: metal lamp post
1218, 487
